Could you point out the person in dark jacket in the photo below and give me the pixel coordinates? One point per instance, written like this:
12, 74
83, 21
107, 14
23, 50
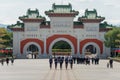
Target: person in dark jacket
50, 62
66, 62
55, 61
7, 61
74, 59
12, 60
2, 62
71, 62
111, 63
61, 62
93, 60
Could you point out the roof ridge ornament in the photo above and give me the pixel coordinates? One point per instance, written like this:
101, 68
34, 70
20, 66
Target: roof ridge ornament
62, 10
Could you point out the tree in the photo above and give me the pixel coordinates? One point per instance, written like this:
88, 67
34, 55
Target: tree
8, 39
118, 40
2, 33
5, 38
111, 37
61, 45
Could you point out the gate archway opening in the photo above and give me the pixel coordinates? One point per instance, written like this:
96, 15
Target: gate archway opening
61, 48
32, 51
91, 50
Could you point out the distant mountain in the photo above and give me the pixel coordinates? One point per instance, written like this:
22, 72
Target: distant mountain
3, 25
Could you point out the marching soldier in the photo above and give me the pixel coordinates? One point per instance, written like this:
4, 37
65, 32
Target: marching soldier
55, 61
66, 62
50, 62
71, 63
61, 62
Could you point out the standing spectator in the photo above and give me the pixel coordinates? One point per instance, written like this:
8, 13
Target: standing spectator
2, 62
108, 65
35, 56
111, 63
87, 61
97, 60
50, 62
12, 60
77, 60
31, 55
74, 58
7, 61
93, 60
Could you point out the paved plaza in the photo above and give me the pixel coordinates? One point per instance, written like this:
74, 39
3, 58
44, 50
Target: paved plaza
38, 69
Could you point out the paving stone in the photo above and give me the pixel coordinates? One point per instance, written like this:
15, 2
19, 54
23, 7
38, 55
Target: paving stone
38, 69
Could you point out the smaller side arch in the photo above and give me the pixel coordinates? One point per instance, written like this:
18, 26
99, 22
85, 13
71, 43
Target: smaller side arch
98, 42
30, 43
24, 42
94, 44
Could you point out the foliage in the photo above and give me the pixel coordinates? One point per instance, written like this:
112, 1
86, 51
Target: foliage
61, 50
8, 38
111, 37
5, 38
118, 40
2, 33
61, 45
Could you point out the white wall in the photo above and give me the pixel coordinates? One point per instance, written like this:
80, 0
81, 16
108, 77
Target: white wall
59, 25
62, 22
17, 37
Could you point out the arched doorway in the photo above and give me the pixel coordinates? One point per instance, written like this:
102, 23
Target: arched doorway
61, 48
63, 41
32, 50
91, 49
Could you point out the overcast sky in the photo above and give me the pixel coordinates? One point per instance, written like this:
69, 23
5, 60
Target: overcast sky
10, 10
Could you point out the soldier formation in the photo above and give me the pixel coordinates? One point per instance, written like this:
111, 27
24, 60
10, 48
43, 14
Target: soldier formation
70, 60
61, 60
